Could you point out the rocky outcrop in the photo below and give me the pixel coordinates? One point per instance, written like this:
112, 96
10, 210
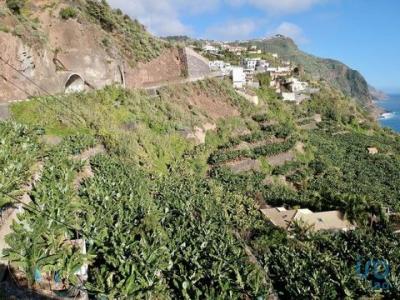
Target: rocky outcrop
168, 67
377, 94
71, 60
73, 57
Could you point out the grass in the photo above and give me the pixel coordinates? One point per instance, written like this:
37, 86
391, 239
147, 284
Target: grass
141, 129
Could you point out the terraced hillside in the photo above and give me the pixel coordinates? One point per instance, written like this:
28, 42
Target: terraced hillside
163, 215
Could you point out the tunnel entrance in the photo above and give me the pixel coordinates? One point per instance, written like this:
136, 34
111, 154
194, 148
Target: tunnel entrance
74, 84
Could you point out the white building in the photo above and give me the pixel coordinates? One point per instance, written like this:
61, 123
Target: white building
255, 52
210, 49
284, 69
297, 85
236, 50
238, 77
275, 55
263, 63
250, 63
220, 66
217, 65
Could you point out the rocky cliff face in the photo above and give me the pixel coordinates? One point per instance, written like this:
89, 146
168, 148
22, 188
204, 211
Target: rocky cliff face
46, 50
377, 94
349, 81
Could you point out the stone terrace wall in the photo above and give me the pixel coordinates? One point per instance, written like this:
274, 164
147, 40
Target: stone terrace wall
168, 67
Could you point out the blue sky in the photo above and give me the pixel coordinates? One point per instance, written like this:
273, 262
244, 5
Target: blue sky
361, 33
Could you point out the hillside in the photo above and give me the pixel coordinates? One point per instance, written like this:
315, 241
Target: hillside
169, 215
125, 192
48, 47
349, 81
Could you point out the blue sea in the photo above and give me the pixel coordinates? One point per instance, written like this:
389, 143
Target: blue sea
391, 117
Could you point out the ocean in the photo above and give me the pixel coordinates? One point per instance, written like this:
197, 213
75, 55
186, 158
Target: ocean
391, 117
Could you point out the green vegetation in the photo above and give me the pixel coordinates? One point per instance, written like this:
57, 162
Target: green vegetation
179, 246
163, 219
16, 6
264, 150
40, 244
68, 13
19, 150
137, 44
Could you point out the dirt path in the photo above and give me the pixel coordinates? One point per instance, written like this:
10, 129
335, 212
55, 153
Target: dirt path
89, 153
182, 81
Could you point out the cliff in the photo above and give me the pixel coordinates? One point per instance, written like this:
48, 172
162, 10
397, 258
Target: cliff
49, 48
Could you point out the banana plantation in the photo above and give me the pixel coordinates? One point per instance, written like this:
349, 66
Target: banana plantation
170, 221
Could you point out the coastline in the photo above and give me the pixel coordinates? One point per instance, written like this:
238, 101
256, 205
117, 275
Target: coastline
389, 109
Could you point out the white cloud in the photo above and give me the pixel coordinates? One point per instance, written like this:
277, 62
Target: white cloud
232, 30
278, 6
164, 17
196, 6
291, 30
160, 17
285, 6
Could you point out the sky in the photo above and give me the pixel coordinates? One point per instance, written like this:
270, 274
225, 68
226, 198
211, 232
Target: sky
364, 34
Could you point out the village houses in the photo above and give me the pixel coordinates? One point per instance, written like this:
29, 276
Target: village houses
210, 49
281, 74
238, 77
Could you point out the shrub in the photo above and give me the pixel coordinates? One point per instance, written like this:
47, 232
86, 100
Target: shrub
260, 118
68, 13
15, 5
4, 28
101, 12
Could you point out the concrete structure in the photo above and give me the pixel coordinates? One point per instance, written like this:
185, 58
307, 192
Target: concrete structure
217, 65
263, 63
74, 83
249, 96
235, 49
210, 49
4, 111
197, 66
253, 50
250, 63
275, 72
295, 85
329, 221
221, 66
373, 150
238, 77
289, 96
